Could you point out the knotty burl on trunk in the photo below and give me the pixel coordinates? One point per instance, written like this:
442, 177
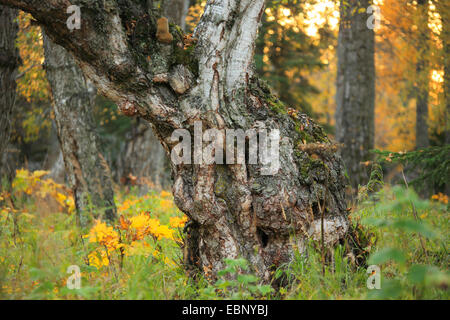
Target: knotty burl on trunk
235, 210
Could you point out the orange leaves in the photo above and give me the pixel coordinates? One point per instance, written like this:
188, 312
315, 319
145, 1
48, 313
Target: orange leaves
189, 40
123, 223
104, 235
440, 197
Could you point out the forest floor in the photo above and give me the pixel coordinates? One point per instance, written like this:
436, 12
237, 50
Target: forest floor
141, 258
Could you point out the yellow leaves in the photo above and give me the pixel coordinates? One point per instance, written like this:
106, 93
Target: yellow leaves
26, 181
61, 198
104, 235
33, 86
177, 222
140, 222
134, 232
165, 194
142, 225
440, 197
98, 258
136, 228
162, 231
31, 183
166, 204
131, 203
39, 174
140, 248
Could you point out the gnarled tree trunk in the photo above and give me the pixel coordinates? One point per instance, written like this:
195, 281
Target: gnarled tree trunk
87, 171
235, 209
9, 63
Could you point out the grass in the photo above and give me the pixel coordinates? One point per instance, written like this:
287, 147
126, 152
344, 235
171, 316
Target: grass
407, 238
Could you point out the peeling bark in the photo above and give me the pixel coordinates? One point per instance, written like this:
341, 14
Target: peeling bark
87, 172
235, 210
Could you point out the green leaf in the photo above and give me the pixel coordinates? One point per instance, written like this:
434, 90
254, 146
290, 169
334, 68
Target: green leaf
387, 254
414, 226
417, 273
266, 289
247, 278
240, 262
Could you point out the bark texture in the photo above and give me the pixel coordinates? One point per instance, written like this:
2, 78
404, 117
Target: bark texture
235, 210
355, 92
87, 171
9, 63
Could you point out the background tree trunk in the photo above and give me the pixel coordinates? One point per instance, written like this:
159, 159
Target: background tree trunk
422, 77
235, 209
9, 63
145, 158
355, 92
176, 11
87, 171
54, 160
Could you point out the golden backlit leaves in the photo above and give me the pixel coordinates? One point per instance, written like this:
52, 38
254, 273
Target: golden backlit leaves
194, 14
396, 58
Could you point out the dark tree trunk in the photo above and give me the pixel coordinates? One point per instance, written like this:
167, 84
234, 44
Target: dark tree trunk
235, 209
355, 92
422, 77
9, 63
87, 171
